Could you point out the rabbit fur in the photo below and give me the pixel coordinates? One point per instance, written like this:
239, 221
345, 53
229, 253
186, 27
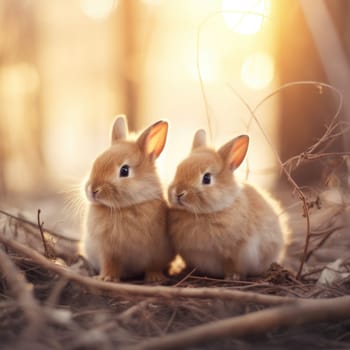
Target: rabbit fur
125, 223
220, 227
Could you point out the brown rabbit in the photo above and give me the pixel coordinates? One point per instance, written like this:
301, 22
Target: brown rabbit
125, 227
220, 227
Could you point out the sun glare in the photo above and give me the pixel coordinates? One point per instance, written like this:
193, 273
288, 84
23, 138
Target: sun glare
98, 9
208, 65
245, 23
151, 2
258, 70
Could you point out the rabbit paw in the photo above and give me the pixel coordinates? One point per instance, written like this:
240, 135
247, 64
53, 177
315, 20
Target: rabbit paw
230, 270
233, 277
153, 276
107, 278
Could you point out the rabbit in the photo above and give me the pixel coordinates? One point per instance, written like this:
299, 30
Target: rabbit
218, 226
125, 223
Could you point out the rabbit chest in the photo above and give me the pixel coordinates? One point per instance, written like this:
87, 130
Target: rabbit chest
212, 234
128, 234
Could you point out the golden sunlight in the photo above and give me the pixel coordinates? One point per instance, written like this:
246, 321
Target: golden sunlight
18, 79
258, 70
151, 2
208, 64
98, 9
245, 23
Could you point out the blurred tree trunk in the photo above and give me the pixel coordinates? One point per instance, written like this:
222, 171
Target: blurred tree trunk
21, 154
127, 31
305, 110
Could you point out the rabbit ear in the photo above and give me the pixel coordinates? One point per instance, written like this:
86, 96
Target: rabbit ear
199, 139
153, 139
119, 129
235, 151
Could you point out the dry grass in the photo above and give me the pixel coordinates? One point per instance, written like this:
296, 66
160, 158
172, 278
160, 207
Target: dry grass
52, 303
48, 300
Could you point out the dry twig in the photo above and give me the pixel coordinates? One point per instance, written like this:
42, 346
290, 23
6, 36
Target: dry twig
40, 225
328, 136
32, 224
23, 292
151, 291
326, 235
198, 66
131, 311
259, 322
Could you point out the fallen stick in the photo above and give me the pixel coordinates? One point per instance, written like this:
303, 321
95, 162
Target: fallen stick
255, 323
42, 235
35, 225
111, 288
23, 292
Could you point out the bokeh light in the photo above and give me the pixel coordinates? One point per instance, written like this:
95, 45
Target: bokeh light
258, 70
245, 23
208, 64
98, 9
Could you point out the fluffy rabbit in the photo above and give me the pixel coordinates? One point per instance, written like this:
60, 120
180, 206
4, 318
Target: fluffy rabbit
125, 226
220, 227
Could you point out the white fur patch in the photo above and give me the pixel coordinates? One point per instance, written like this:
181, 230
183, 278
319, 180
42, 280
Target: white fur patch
89, 249
249, 260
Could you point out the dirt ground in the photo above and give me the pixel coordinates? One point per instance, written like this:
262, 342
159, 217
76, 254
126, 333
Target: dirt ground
59, 311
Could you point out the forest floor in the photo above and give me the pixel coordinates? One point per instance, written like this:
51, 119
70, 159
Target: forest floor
58, 306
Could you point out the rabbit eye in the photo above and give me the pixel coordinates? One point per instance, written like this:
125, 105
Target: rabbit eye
124, 171
206, 180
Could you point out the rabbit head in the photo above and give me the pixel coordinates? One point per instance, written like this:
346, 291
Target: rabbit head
204, 181
125, 173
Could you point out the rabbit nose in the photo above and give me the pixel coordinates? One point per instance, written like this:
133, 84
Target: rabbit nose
92, 191
180, 195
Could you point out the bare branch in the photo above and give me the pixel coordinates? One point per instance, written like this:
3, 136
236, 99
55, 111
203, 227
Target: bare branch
324, 239
40, 225
151, 291
260, 322
328, 137
23, 292
30, 223
290, 179
198, 66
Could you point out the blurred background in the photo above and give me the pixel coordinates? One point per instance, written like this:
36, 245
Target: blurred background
67, 67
